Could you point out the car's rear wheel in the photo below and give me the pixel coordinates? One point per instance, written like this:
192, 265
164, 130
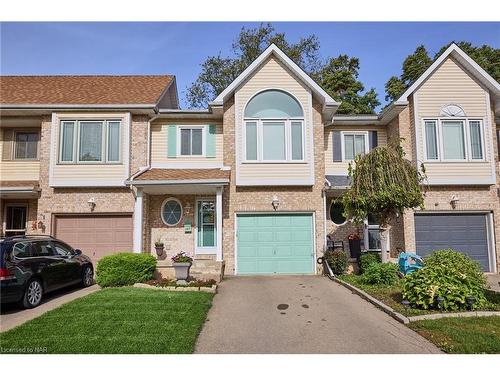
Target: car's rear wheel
87, 276
33, 294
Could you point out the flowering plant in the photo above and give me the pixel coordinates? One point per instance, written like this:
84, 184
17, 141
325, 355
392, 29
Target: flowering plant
182, 257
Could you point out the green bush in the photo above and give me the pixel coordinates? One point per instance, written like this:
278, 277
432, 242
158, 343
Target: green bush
366, 259
337, 260
447, 274
381, 274
125, 269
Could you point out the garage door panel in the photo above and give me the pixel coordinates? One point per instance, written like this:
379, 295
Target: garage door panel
97, 235
466, 233
274, 243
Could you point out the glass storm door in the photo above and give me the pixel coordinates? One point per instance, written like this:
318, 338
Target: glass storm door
206, 224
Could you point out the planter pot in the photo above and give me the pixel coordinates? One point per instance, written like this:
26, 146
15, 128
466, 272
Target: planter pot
159, 250
181, 270
355, 248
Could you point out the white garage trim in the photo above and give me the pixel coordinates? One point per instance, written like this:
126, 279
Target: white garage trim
242, 213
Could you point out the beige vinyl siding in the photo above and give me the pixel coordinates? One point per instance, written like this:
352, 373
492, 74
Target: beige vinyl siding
159, 143
16, 170
451, 84
274, 75
81, 174
341, 168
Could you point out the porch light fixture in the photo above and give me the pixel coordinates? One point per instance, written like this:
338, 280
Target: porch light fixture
187, 208
275, 202
454, 201
91, 203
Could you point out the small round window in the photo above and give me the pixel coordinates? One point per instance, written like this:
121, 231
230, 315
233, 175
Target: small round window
171, 211
337, 213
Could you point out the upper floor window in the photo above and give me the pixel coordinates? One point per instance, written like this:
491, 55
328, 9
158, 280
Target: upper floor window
26, 145
274, 128
90, 141
191, 140
354, 143
453, 140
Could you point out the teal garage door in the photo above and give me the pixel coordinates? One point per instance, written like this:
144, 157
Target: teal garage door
275, 244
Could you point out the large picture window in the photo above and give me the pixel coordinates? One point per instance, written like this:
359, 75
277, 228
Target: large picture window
274, 128
90, 141
453, 140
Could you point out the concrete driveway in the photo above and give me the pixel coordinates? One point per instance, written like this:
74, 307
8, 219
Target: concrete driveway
12, 315
300, 314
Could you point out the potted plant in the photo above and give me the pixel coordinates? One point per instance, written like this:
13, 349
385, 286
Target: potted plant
182, 262
354, 245
159, 247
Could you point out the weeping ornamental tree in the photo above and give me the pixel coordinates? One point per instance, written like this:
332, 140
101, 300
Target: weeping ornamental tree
384, 184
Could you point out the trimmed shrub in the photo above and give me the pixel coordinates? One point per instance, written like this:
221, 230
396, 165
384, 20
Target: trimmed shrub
337, 260
366, 259
125, 269
381, 274
450, 275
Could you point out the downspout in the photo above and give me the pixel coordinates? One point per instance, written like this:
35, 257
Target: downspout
323, 191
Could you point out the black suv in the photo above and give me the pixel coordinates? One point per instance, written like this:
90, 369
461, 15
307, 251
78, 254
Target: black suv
33, 265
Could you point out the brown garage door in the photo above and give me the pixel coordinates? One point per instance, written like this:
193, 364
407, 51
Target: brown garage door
96, 235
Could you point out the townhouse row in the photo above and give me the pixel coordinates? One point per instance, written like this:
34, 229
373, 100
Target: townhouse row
249, 185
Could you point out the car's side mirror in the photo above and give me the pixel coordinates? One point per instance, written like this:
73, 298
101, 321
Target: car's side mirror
78, 252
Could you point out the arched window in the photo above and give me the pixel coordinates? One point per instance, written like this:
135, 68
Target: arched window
274, 128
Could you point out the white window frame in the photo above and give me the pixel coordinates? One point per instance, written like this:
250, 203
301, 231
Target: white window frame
76, 142
203, 140
14, 149
344, 133
163, 206
467, 139
204, 249
6, 231
366, 236
260, 140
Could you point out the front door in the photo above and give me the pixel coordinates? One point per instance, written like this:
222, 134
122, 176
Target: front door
15, 220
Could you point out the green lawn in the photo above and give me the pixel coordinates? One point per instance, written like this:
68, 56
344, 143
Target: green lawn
117, 320
392, 296
462, 335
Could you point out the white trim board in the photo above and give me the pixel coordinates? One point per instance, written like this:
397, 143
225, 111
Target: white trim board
464, 60
327, 100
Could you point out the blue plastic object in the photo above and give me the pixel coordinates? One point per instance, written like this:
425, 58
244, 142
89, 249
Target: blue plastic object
409, 262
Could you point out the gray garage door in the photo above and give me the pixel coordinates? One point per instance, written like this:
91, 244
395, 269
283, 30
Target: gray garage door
466, 233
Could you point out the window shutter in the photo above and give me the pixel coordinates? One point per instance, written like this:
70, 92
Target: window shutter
210, 141
373, 139
172, 141
8, 138
337, 146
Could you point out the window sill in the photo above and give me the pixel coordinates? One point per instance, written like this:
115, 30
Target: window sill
21, 160
87, 163
275, 162
454, 161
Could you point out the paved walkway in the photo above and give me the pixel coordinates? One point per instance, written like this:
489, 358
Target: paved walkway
494, 281
11, 315
300, 314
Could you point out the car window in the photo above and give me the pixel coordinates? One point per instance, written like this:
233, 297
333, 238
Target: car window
42, 249
21, 250
62, 249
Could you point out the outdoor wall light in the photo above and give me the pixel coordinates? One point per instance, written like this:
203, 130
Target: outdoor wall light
91, 203
187, 208
275, 202
454, 201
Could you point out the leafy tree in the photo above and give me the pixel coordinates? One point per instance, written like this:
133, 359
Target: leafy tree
339, 77
413, 67
415, 64
384, 184
218, 72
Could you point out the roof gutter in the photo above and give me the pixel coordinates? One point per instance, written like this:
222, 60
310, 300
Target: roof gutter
78, 106
220, 181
